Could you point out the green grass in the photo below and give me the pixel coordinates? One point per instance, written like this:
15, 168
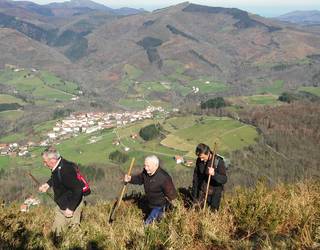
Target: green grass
276, 88
134, 103
148, 87
57, 83
4, 162
38, 132
237, 101
211, 87
43, 86
51, 94
131, 71
10, 99
262, 99
13, 138
312, 90
178, 66
184, 133
44, 127
229, 134
11, 115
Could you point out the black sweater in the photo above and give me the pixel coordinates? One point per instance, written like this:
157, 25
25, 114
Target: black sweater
201, 175
158, 187
67, 189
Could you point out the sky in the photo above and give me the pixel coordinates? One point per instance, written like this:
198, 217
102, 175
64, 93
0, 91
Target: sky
268, 8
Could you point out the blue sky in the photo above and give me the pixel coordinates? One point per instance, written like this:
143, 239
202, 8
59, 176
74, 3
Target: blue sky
262, 7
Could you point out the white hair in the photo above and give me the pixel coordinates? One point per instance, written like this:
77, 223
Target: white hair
154, 160
51, 153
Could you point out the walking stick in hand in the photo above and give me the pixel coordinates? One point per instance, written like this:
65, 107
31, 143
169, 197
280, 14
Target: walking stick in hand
209, 178
38, 183
117, 205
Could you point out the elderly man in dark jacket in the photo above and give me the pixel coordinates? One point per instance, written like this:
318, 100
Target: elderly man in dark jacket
201, 174
158, 187
66, 187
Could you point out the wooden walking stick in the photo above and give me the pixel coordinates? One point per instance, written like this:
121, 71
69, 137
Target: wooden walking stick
117, 205
209, 178
38, 183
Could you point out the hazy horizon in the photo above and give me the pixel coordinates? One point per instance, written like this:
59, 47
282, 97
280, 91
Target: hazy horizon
271, 8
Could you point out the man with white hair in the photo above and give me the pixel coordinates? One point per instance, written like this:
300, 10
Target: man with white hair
66, 187
158, 187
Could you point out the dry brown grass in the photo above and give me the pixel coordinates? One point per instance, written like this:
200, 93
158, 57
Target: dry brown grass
287, 216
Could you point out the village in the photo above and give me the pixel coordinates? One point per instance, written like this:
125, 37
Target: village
78, 123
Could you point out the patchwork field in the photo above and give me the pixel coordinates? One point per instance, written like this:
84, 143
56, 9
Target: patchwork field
41, 87
180, 136
10, 99
267, 99
175, 80
229, 134
312, 90
275, 88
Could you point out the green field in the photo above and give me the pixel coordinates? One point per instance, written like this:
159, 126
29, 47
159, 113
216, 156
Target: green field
137, 104
57, 83
11, 115
312, 90
180, 137
208, 86
44, 87
267, 99
131, 71
189, 131
275, 88
262, 99
10, 99
35, 133
4, 162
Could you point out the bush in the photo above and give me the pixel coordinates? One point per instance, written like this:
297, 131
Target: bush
150, 132
214, 103
9, 106
287, 97
118, 156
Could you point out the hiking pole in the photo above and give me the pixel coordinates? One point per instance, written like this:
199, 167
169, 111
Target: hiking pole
38, 183
117, 205
209, 178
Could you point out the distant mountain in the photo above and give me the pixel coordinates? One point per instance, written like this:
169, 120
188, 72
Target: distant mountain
107, 52
301, 17
64, 9
80, 4
91, 5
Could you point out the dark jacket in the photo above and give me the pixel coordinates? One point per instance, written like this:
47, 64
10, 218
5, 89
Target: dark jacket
67, 189
158, 187
201, 175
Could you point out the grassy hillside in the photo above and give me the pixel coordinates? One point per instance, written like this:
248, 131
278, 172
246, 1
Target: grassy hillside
284, 217
181, 136
40, 87
312, 90
186, 132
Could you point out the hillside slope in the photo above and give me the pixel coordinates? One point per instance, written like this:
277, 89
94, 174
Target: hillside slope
285, 217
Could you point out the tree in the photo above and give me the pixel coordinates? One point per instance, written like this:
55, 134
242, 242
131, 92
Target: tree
118, 156
217, 103
287, 97
150, 132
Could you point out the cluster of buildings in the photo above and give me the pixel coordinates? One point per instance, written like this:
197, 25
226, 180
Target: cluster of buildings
180, 160
14, 149
29, 202
91, 122
78, 123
